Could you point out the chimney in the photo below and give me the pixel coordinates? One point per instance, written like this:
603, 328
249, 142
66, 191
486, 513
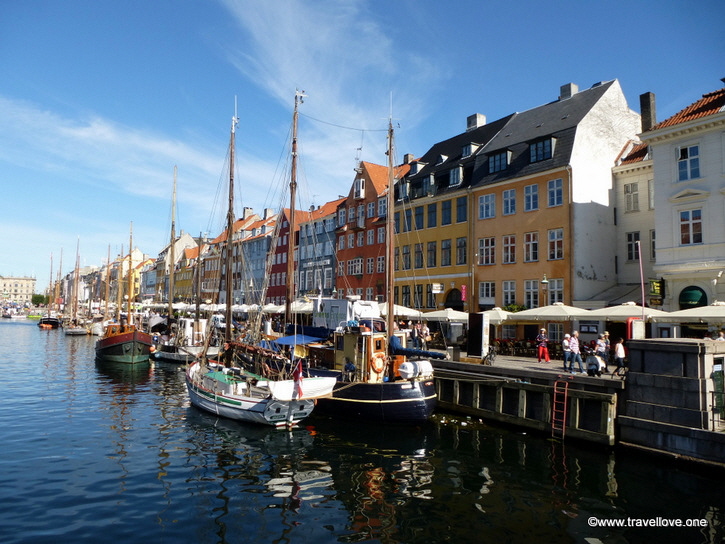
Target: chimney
648, 111
247, 212
568, 90
268, 213
408, 158
474, 121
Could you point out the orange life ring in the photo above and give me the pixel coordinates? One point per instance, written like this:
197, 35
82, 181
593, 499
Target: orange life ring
377, 363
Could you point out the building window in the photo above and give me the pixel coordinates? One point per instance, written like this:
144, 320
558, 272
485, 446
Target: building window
509, 249
418, 255
445, 253
432, 215
652, 245
631, 197
556, 192
556, 244
462, 209
396, 258
369, 295
446, 212
455, 176
381, 235
690, 227
396, 222
509, 202
408, 219
419, 212
531, 247
556, 291
509, 292
418, 296
369, 265
371, 237
351, 240
371, 209
498, 162
531, 293
382, 207
531, 198
688, 163
406, 295
431, 259
381, 264
651, 194
486, 206
541, 150
632, 246
461, 250
406, 257
351, 214
341, 214
430, 298
360, 239
341, 242
487, 291
487, 251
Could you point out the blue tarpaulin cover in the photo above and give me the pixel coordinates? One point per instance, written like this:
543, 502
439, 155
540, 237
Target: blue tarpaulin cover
296, 340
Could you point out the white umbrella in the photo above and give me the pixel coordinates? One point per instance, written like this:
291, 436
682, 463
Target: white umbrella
714, 314
272, 309
496, 316
554, 312
400, 311
446, 314
301, 307
624, 311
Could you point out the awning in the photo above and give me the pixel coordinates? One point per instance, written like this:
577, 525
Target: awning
296, 340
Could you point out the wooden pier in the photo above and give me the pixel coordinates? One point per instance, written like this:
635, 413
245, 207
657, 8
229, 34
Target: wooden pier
520, 391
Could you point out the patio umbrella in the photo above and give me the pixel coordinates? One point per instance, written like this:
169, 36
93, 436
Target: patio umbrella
400, 311
714, 314
301, 307
496, 316
554, 312
624, 311
446, 314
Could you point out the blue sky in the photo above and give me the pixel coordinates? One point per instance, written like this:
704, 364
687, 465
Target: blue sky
99, 100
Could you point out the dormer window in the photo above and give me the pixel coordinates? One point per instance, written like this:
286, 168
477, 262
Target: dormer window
469, 150
541, 150
359, 188
416, 167
456, 176
441, 159
429, 185
498, 162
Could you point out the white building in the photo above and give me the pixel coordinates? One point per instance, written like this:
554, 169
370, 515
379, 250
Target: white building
688, 157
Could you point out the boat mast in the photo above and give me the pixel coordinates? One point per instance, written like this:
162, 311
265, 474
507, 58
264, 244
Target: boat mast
172, 256
389, 235
74, 303
130, 277
292, 223
108, 283
230, 235
119, 286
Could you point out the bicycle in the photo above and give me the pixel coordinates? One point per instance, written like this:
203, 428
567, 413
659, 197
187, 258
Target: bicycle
490, 357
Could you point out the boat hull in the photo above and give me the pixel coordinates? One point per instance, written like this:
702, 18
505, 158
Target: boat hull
252, 409
49, 323
185, 354
130, 348
397, 402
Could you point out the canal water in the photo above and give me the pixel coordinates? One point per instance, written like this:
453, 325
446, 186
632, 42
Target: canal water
94, 454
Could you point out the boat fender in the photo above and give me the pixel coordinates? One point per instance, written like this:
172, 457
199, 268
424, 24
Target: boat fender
378, 362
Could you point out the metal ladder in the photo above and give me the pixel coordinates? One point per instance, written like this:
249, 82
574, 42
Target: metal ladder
559, 408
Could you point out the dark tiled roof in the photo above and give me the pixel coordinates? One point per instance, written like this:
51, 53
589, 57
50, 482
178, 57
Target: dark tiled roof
709, 104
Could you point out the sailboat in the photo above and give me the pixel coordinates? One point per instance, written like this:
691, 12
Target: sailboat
235, 386
375, 379
50, 320
74, 328
123, 342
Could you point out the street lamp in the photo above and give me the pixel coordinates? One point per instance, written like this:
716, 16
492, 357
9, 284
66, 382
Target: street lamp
544, 288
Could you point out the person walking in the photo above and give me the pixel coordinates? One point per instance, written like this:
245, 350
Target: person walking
619, 356
576, 355
566, 348
542, 343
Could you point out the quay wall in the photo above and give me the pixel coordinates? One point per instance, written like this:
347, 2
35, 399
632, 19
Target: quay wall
672, 403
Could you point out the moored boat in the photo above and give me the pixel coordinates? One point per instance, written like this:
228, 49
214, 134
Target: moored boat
123, 343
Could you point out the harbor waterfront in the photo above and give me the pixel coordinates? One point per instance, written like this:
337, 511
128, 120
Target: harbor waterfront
102, 452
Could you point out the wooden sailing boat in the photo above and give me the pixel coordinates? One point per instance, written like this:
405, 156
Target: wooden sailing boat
74, 328
233, 386
123, 342
375, 381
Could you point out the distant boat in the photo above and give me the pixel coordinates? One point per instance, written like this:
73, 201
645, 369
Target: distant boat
123, 342
50, 322
74, 328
